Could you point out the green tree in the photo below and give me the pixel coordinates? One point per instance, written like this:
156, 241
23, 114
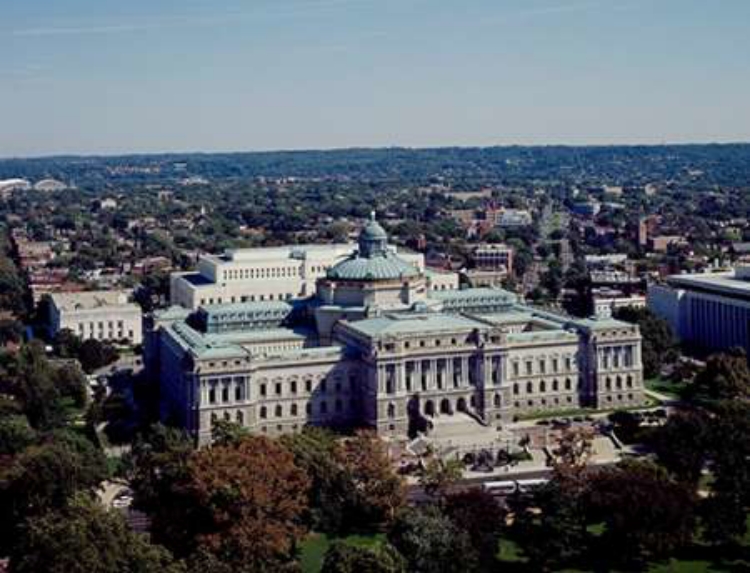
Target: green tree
332, 495
15, 434
725, 377
44, 477
478, 514
682, 445
439, 476
342, 557
645, 512
85, 538
658, 346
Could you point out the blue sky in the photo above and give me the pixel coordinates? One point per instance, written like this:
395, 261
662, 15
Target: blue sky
110, 76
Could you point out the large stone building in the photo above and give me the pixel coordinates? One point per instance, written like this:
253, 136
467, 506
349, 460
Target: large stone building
376, 346
709, 310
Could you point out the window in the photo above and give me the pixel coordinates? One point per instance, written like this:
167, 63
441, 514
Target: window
293, 386
529, 367
568, 384
293, 410
238, 392
278, 388
529, 388
515, 389
262, 389
308, 385
212, 395
279, 411
391, 411
263, 412
542, 386
308, 409
240, 418
515, 369
225, 393
555, 385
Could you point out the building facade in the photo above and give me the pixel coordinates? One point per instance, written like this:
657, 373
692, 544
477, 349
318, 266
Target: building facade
709, 310
376, 347
102, 315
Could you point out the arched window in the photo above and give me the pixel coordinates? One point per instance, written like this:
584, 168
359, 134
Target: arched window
308, 385
618, 382
498, 401
515, 389
529, 388
263, 412
293, 386
279, 411
608, 383
293, 409
629, 381
568, 384
555, 385
542, 386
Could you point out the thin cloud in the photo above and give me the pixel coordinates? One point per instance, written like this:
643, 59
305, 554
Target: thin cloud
184, 21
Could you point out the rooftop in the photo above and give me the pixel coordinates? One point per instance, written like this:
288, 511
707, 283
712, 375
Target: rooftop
90, 300
733, 283
427, 323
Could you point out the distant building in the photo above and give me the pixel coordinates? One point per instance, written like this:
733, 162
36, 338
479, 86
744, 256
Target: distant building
586, 208
709, 310
513, 218
606, 303
489, 257
103, 315
661, 243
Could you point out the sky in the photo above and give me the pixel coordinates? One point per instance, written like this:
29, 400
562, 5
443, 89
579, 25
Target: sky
121, 76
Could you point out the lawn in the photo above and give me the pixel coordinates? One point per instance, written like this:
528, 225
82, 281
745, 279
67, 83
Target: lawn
667, 387
316, 545
696, 559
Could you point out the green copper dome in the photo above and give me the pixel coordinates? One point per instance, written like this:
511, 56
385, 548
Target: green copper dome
373, 261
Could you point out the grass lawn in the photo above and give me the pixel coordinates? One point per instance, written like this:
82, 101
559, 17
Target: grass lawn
697, 559
316, 545
571, 412
667, 387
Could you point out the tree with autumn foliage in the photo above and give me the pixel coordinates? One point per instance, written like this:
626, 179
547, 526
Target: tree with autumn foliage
253, 498
379, 491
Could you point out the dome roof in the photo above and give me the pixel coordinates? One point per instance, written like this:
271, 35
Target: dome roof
373, 261
373, 232
382, 267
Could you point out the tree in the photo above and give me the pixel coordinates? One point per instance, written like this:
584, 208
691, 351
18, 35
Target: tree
15, 434
658, 346
478, 514
342, 557
44, 477
574, 448
724, 512
332, 497
379, 491
440, 475
252, 498
226, 433
725, 377
682, 445
431, 543
85, 538
94, 354
158, 474
646, 513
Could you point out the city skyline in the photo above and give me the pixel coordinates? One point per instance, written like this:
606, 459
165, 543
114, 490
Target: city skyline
83, 78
